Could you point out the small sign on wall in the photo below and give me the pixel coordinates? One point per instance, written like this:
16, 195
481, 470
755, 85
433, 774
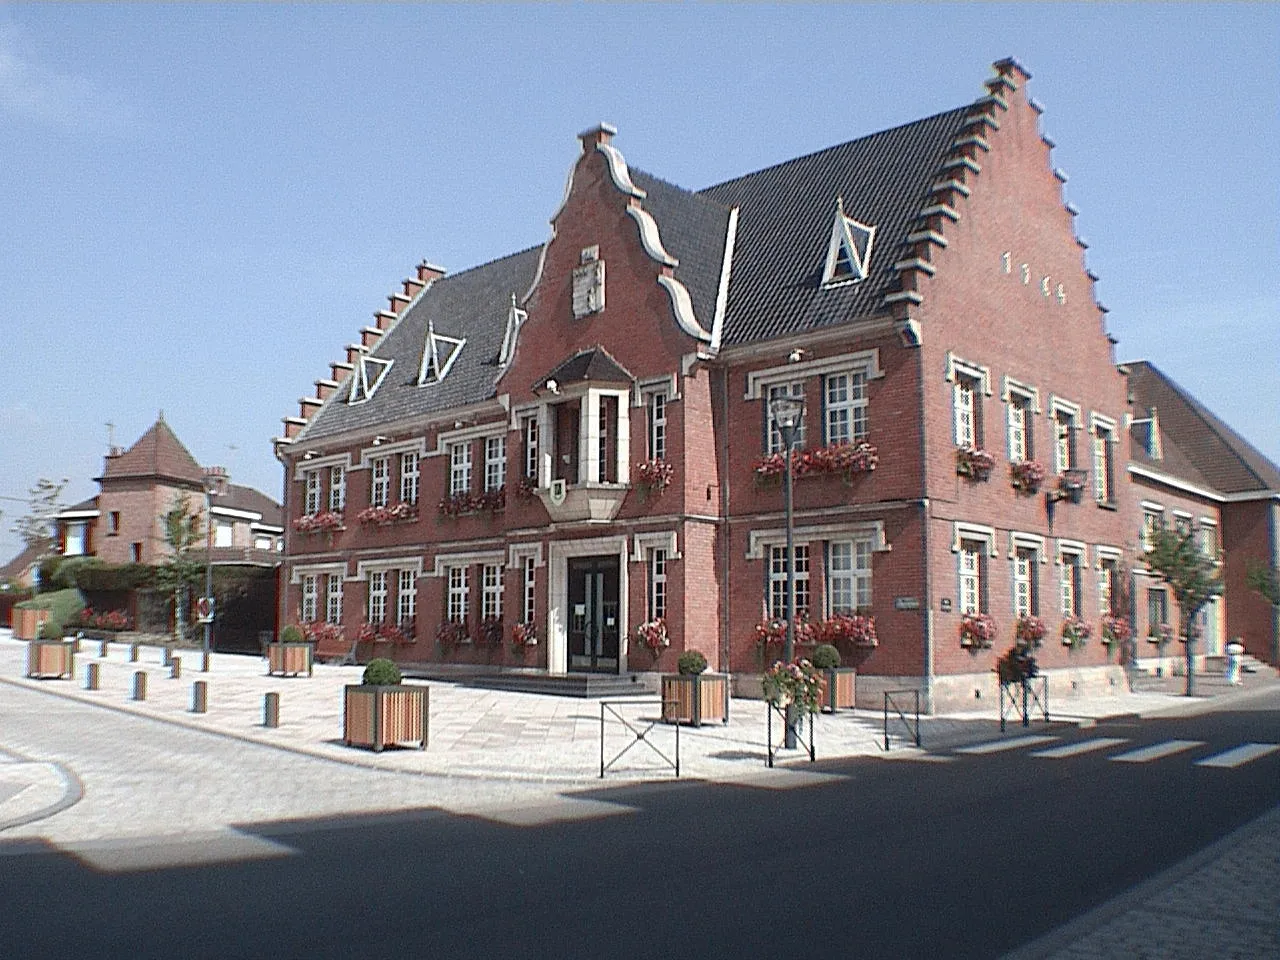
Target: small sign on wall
945, 605
906, 603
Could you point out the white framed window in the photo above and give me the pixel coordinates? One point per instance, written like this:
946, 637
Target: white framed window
1021, 435
1207, 538
113, 523
849, 251
845, 406
656, 409
406, 597
849, 575
1181, 523
775, 391
1104, 467
1152, 520
409, 477
495, 462
491, 591
778, 580
75, 539
337, 489
333, 598
224, 533
529, 593
310, 492
1108, 573
459, 468
377, 596
307, 609
966, 402
657, 583
529, 430
457, 595
367, 376
1065, 426
380, 481
972, 563
1026, 593
1070, 579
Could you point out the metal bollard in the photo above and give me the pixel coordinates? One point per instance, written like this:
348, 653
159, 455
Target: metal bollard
92, 678
133, 653
104, 646
166, 656
204, 662
271, 710
200, 696
175, 668
140, 685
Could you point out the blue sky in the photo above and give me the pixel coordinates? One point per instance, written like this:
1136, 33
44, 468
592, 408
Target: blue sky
200, 205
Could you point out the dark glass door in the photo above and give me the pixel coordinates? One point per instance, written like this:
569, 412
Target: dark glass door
593, 614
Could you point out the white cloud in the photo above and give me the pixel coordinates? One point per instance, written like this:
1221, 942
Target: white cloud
32, 90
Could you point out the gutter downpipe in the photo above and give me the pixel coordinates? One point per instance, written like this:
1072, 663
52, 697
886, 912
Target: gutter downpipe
925, 509
725, 665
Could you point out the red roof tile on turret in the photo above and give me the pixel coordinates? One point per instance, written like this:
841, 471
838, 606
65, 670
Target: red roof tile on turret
158, 454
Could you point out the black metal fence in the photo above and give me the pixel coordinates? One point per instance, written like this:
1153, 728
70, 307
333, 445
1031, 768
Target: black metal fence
638, 730
799, 731
1018, 698
895, 707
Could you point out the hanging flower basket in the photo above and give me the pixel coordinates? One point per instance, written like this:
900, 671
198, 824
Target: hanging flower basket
1115, 629
1026, 476
974, 463
653, 636
977, 631
1076, 633
653, 476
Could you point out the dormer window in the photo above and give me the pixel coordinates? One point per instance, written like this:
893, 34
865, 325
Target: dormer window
438, 355
849, 252
367, 377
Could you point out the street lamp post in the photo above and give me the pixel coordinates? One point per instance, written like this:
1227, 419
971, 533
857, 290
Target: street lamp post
215, 484
786, 413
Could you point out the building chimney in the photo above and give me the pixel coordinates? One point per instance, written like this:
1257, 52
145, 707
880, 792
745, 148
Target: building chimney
600, 133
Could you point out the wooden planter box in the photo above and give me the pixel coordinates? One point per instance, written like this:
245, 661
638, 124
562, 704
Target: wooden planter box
695, 699
50, 658
26, 623
378, 717
290, 659
838, 688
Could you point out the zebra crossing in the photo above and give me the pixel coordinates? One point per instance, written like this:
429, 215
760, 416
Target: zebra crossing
1228, 759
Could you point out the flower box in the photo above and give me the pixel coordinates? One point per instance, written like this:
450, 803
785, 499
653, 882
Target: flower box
287, 659
843, 459
695, 698
974, 463
327, 521
1075, 633
385, 716
392, 513
463, 504
838, 688
653, 476
977, 631
50, 659
1025, 476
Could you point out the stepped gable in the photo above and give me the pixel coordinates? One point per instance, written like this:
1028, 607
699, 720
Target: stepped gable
785, 219
473, 304
158, 454
1207, 451
693, 230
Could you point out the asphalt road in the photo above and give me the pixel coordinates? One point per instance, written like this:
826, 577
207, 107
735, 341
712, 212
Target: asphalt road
959, 855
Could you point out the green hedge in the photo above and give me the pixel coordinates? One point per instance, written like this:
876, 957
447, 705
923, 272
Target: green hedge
63, 605
103, 579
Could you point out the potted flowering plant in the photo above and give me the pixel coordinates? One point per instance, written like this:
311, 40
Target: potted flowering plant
793, 683
382, 712
974, 463
653, 476
977, 631
1026, 476
692, 695
838, 683
1075, 633
291, 654
652, 635
1029, 630
1017, 665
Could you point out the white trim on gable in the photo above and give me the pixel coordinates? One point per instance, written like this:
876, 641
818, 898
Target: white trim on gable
682, 307
618, 170
726, 268
650, 237
432, 370
843, 246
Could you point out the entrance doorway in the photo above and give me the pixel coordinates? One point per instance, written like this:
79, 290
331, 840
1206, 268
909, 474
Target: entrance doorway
593, 619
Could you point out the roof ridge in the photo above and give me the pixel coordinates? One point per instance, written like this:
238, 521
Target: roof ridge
835, 146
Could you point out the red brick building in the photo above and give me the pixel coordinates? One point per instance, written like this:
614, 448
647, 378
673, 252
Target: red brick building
495, 449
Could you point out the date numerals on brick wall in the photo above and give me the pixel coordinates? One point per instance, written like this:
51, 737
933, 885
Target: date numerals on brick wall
1049, 289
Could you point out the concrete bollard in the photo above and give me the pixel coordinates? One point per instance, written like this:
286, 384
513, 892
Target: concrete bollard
200, 696
166, 656
204, 661
175, 668
75, 643
133, 653
92, 678
271, 710
104, 647
140, 685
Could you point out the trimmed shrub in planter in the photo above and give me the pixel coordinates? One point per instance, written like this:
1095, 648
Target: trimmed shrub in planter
291, 654
693, 696
838, 684
49, 655
382, 712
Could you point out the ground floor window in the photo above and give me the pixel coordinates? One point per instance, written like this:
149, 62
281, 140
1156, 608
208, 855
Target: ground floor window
309, 598
848, 575
973, 576
458, 592
333, 599
657, 583
407, 598
778, 581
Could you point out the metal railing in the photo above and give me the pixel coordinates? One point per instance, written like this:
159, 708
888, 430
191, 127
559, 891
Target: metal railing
798, 729
639, 728
1018, 697
895, 702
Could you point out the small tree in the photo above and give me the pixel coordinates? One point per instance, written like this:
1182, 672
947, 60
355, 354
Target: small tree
1266, 581
39, 528
181, 570
1193, 578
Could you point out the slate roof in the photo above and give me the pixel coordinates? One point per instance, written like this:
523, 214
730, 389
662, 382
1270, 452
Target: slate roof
248, 499
1197, 446
593, 364
158, 453
15, 568
785, 217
